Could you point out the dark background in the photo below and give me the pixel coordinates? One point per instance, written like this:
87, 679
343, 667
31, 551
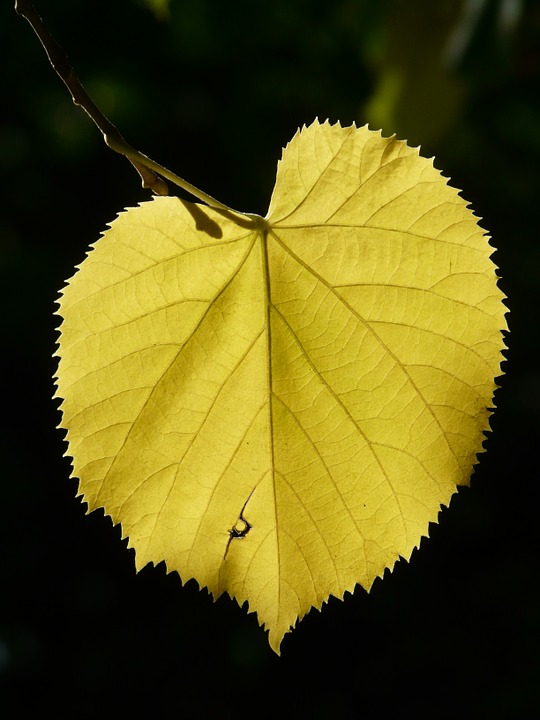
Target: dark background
213, 90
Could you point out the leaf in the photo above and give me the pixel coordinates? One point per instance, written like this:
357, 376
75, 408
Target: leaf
279, 407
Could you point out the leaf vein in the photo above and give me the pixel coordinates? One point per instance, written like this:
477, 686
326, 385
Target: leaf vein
177, 355
328, 471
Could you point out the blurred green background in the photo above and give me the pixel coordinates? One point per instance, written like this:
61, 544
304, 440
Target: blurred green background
213, 90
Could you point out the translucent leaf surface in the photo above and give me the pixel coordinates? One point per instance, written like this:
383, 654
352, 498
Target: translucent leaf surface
279, 407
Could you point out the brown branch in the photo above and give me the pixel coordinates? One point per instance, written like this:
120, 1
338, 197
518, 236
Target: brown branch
151, 172
80, 97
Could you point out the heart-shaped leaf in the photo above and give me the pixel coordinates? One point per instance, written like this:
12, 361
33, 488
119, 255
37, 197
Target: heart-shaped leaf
279, 407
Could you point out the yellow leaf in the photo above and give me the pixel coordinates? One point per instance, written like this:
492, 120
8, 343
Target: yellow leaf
279, 407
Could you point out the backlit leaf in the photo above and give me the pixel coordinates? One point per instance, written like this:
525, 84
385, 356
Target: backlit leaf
279, 407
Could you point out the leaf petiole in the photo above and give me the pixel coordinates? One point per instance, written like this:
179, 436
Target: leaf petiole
151, 172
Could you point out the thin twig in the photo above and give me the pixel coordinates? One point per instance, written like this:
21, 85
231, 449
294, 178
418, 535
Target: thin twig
149, 170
